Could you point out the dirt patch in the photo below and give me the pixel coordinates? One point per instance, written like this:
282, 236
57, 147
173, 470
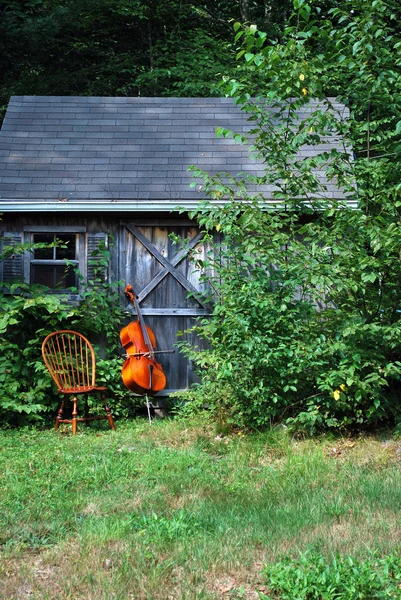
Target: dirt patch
29, 576
355, 535
366, 451
175, 436
242, 580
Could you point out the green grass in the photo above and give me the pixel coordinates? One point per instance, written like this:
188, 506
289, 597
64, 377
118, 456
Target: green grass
170, 510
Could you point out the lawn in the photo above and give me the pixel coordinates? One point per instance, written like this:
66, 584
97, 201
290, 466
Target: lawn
171, 510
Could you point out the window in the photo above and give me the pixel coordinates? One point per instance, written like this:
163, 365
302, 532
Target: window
54, 266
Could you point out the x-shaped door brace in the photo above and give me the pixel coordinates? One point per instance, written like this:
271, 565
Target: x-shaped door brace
169, 266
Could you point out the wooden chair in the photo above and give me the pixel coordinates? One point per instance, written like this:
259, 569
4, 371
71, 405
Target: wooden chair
71, 362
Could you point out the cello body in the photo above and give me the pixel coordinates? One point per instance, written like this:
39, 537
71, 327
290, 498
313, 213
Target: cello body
141, 373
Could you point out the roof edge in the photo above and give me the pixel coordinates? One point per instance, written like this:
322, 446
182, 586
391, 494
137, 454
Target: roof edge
112, 206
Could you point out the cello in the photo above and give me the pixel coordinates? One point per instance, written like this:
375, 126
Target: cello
141, 373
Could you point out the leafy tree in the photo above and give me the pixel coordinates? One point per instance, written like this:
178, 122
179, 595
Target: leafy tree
306, 324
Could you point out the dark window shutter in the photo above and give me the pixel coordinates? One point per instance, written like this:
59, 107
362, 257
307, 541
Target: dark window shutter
12, 268
94, 244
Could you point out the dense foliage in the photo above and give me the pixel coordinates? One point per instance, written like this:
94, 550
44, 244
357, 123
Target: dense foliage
123, 47
28, 314
306, 324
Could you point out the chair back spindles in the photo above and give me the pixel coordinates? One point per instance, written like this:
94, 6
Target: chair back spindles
70, 360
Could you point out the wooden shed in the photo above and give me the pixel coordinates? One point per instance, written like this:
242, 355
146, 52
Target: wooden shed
89, 169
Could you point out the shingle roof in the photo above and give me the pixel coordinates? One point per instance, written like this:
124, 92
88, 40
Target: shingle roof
132, 152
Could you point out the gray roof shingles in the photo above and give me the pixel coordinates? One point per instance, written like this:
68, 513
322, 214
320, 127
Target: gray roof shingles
117, 149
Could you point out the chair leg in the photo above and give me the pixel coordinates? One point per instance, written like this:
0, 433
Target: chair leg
59, 415
87, 415
74, 415
108, 412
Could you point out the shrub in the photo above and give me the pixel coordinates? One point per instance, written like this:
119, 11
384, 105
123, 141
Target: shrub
28, 314
312, 576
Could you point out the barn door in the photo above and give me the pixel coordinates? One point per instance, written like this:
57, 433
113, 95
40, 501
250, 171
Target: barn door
162, 275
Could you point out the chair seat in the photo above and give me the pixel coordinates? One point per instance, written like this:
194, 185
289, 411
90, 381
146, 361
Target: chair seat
83, 390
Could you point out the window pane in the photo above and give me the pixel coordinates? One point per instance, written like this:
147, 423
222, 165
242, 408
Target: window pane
67, 253
43, 253
64, 277
55, 277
